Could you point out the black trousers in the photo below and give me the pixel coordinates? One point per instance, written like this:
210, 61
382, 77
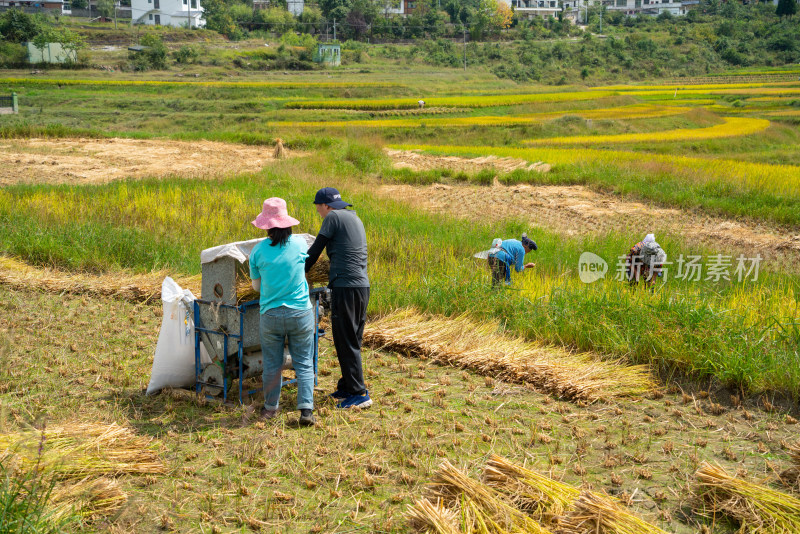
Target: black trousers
499, 270
348, 315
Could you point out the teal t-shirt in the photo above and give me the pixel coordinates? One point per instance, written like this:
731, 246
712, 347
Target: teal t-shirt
282, 273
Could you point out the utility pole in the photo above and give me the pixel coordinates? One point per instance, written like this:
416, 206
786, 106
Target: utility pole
115, 14
334, 29
189, 5
601, 17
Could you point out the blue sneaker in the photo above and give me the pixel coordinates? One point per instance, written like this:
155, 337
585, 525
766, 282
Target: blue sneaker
338, 395
357, 402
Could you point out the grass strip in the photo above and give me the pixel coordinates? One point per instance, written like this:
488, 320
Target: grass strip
463, 342
160, 83
625, 112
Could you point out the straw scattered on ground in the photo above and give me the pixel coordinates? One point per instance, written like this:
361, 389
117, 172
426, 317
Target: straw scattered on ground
758, 508
598, 514
73, 452
791, 476
91, 498
120, 284
539, 496
466, 343
482, 507
435, 518
81, 458
516, 499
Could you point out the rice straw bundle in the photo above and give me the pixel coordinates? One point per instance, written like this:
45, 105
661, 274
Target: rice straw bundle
482, 507
90, 498
280, 152
120, 284
319, 272
757, 507
425, 516
463, 342
76, 451
539, 496
598, 514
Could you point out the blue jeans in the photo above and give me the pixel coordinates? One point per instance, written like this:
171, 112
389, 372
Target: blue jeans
298, 325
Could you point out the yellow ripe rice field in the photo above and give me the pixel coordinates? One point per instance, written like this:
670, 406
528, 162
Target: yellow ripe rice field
732, 127
784, 113
696, 87
480, 101
775, 91
775, 99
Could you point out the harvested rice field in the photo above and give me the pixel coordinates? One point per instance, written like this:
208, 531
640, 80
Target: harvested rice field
97, 161
90, 357
559, 403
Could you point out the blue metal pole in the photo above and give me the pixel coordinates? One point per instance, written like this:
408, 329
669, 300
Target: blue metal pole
241, 355
225, 368
197, 369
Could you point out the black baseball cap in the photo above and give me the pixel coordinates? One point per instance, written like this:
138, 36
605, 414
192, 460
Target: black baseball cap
331, 197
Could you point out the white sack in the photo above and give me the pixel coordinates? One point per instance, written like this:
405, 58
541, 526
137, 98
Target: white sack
173, 363
239, 250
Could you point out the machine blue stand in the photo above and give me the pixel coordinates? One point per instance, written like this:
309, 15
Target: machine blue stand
315, 294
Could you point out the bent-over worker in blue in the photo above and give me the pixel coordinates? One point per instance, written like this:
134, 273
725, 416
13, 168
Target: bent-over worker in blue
507, 253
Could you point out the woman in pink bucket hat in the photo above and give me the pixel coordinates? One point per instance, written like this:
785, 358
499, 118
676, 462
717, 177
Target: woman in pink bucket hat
277, 268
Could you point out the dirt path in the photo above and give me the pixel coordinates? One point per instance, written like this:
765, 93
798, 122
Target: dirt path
578, 210
90, 161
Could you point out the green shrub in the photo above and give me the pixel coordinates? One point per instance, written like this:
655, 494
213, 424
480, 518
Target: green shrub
153, 57
12, 55
187, 54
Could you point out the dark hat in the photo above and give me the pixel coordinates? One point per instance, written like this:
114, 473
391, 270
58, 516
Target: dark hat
331, 197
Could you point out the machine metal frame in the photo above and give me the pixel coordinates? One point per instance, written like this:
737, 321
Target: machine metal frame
314, 293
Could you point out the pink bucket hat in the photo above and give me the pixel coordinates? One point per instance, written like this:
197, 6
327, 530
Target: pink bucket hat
274, 215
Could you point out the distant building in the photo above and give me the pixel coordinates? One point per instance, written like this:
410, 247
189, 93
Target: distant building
179, 13
531, 9
575, 10
58, 6
393, 7
295, 7
329, 55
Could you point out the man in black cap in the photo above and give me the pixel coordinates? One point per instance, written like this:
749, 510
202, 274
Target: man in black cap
342, 234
